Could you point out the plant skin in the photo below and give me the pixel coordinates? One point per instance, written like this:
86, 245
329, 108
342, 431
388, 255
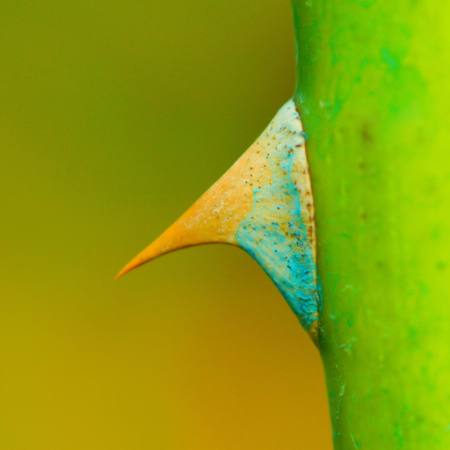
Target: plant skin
373, 91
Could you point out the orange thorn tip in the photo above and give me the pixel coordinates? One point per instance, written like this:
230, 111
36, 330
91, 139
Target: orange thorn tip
167, 242
133, 264
213, 218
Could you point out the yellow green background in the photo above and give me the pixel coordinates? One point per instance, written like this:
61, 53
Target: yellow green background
114, 117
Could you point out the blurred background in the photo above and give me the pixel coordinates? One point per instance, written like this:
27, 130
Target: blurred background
114, 117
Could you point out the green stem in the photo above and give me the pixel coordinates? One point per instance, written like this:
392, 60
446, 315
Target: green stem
374, 96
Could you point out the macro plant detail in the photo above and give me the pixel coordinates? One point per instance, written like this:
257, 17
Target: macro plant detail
366, 209
263, 205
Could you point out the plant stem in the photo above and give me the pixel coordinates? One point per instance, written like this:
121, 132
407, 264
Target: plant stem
374, 97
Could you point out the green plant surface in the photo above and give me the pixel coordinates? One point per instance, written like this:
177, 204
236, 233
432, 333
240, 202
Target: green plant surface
373, 91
